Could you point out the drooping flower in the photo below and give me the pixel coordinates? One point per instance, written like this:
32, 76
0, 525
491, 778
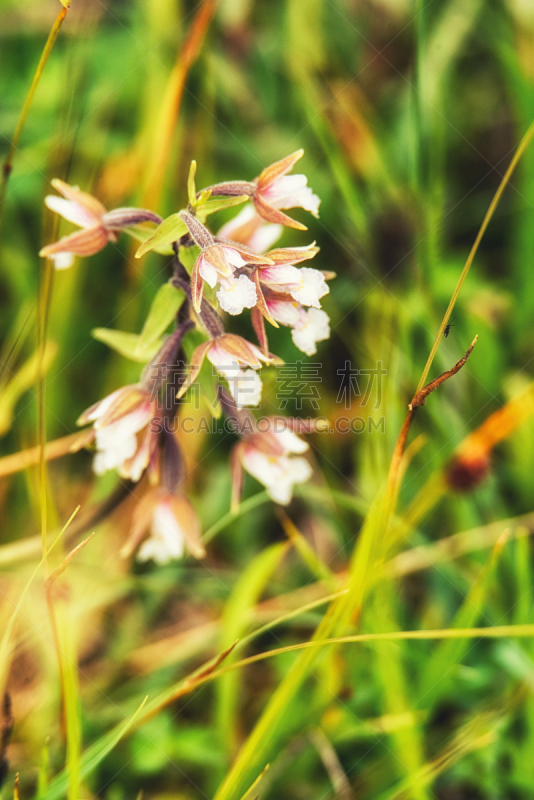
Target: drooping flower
269, 456
305, 285
250, 229
172, 526
230, 354
274, 189
309, 326
98, 225
124, 439
216, 263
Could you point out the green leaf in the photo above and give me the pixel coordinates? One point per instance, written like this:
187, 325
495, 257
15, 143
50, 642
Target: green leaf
237, 618
127, 344
188, 256
191, 188
141, 234
211, 206
26, 376
203, 196
163, 310
192, 341
91, 758
207, 381
248, 794
170, 230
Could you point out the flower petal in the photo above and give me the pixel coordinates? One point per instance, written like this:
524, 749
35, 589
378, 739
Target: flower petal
166, 540
293, 255
237, 294
233, 257
207, 271
197, 359
90, 204
98, 410
290, 442
250, 229
312, 327
292, 191
275, 171
132, 399
245, 387
112, 450
189, 523
286, 313
82, 243
274, 215
277, 473
197, 284
312, 286
215, 256
72, 212
285, 275
63, 260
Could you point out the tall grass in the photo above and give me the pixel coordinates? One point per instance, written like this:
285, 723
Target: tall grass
375, 640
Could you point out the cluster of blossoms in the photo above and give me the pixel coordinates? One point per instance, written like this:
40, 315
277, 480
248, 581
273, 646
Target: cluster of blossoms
242, 272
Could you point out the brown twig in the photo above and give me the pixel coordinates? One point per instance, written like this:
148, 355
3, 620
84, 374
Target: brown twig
420, 397
54, 575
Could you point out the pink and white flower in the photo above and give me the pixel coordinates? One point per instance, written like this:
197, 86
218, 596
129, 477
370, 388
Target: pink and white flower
98, 225
124, 440
308, 326
216, 263
172, 526
230, 354
282, 284
275, 190
305, 285
270, 458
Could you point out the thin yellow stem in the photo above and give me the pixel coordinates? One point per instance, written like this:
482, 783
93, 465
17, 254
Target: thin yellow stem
202, 676
393, 476
47, 279
525, 141
8, 161
496, 632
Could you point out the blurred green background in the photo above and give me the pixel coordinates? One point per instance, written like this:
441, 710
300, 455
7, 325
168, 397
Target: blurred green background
409, 114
